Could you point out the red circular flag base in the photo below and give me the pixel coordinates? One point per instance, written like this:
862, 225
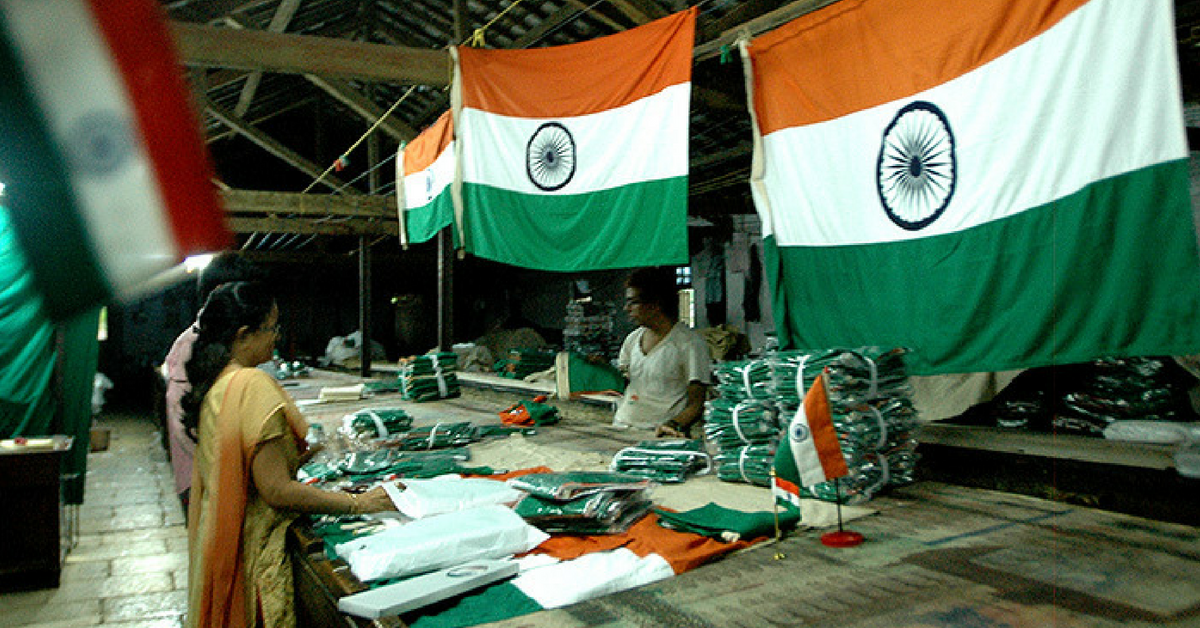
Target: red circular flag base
841, 538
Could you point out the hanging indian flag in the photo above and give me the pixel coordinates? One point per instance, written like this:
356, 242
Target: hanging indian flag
995, 184
576, 157
108, 180
426, 166
809, 453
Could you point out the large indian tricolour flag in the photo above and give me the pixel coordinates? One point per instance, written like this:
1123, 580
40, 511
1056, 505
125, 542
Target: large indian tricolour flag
107, 179
426, 166
992, 183
576, 157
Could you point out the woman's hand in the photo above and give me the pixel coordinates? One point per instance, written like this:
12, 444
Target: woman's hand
376, 500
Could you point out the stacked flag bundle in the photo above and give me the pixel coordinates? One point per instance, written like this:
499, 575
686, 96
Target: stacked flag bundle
747, 463
744, 379
429, 377
871, 410
668, 461
524, 362
588, 330
741, 423
583, 502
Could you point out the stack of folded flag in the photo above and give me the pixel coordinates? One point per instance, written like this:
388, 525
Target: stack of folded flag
429, 377
583, 502
741, 423
667, 461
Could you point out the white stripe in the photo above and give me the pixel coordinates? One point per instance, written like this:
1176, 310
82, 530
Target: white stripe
804, 452
1094, 97
421, 187
646, 140
78, 88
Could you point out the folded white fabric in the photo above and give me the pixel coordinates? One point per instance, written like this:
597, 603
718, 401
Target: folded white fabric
1159, 432
426, 498
440, 541
591, 576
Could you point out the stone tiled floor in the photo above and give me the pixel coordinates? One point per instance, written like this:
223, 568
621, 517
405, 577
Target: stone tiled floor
128, 568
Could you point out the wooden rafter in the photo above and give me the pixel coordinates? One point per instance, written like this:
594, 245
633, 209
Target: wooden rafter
209, 46
363, 107
279, 21
271, 145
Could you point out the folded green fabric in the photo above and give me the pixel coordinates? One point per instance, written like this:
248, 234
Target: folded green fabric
492, 603
726, 524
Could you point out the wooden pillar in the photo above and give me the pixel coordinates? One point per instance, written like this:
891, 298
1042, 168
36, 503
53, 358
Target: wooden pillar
445, 236
364, 267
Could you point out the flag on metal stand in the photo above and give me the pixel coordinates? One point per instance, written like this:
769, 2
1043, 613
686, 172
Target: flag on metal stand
810, 454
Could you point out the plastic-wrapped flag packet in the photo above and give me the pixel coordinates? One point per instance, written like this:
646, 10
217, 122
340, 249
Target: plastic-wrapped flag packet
607, 512
575, 484
436, 436
671, 460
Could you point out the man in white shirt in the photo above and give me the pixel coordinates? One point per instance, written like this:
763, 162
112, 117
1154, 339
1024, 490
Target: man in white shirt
667, 363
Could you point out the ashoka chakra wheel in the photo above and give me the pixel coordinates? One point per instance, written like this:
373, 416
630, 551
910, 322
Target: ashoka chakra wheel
916, 171
550, 157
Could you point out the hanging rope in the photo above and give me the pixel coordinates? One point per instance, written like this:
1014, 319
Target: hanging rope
476, 38
360, 141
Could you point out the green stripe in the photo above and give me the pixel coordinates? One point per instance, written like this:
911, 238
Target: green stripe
1109, 271
426, 221
643, 224
42, 206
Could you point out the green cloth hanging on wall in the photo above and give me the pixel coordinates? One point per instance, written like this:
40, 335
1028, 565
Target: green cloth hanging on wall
26, 345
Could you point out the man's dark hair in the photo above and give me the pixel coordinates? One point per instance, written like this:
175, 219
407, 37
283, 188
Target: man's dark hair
656, 285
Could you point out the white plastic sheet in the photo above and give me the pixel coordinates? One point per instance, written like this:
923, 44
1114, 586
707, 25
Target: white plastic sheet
440, 541
426, 498
591, 576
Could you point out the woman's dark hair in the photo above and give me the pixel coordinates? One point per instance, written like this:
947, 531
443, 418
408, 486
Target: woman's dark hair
230, 307
656, 285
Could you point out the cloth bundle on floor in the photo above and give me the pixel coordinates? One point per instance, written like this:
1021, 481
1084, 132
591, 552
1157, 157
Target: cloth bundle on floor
671, 460
583, 502
376, 422
429, 377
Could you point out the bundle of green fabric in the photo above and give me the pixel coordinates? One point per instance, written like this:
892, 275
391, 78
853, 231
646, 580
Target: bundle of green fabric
862, 373
751, 464
582, 502
376, 422
744, 379
728, 525
381, 386
729, 424
667, 461
430, 377
524, 362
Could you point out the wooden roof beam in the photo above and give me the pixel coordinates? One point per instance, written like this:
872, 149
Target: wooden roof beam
311, 205
209, 46
363, 107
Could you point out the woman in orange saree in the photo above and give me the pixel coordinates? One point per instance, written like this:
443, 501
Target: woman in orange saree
250, 444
